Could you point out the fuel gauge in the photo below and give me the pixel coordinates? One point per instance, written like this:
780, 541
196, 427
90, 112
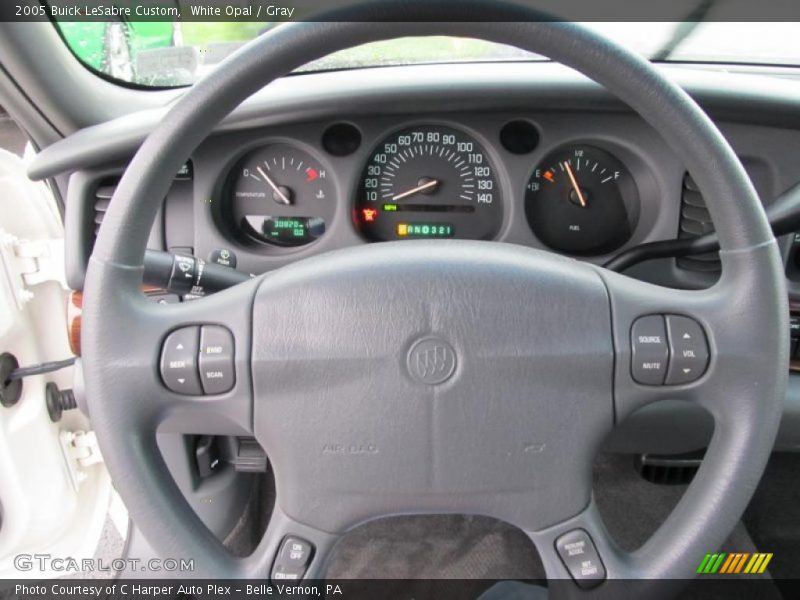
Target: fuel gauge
582, 200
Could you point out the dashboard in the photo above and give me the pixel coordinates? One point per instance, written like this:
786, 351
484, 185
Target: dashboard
529, 154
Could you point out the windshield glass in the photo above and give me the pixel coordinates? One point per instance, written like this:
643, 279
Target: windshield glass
175, 54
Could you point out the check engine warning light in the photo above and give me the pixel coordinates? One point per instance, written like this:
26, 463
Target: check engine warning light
369, 214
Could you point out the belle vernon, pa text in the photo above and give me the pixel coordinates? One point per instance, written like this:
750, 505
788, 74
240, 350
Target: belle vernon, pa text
165, 591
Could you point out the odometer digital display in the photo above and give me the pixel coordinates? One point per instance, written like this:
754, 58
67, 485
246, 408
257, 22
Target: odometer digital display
429, 181
283, 231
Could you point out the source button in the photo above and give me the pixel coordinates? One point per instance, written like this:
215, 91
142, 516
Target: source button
650, 350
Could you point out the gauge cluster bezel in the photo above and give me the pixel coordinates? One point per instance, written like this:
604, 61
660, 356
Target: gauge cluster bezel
656, 171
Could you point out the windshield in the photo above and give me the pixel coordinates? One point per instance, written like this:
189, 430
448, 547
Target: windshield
176, 54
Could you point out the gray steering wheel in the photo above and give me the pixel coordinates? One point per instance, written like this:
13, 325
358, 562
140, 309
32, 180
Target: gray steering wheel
534, 350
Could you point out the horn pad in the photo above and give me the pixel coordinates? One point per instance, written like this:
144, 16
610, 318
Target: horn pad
433, 376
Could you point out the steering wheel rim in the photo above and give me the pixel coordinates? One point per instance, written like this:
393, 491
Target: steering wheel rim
743, 387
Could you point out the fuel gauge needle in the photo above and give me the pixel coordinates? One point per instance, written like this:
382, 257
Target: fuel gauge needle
575, 185
283, 198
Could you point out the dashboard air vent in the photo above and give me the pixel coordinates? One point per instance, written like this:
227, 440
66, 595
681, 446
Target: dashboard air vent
102, 198
695, 220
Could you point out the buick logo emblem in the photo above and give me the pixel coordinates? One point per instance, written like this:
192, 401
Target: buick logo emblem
431, 361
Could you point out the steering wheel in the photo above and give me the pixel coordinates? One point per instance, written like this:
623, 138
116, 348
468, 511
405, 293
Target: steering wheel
439, 376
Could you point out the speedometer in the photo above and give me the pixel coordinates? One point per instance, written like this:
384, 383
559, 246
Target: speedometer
428, 182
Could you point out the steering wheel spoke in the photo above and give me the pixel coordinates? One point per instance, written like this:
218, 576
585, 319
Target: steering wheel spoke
580, 556
182, 367
682, 344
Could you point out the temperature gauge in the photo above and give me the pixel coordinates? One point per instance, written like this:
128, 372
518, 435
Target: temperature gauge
281, 196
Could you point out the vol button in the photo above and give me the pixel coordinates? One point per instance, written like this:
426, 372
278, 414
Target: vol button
688, 350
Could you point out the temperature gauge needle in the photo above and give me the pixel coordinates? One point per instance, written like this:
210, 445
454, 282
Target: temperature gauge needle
282, 197
420, 188
575, 185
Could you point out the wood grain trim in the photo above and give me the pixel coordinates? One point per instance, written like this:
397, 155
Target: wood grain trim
75, 312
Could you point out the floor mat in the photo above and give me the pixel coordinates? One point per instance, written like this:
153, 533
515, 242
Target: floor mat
462, 547
427, 547
478, 547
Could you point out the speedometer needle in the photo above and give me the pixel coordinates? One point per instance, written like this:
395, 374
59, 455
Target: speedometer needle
420, 188
283, 198
575, 185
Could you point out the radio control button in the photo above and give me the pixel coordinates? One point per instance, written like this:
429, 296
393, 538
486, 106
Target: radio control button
688, 350
179, 361
650, 351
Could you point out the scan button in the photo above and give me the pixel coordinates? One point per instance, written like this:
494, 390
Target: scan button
216, 362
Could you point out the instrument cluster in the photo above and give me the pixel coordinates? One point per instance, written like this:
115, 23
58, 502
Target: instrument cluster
431, 179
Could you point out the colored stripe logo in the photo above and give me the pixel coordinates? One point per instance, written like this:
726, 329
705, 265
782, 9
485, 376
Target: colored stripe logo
734, 562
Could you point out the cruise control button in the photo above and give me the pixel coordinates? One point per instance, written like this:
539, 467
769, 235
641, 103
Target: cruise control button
688, 350
179, 361
581, 559
650, 352
216, 359
295, 552
293, 559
